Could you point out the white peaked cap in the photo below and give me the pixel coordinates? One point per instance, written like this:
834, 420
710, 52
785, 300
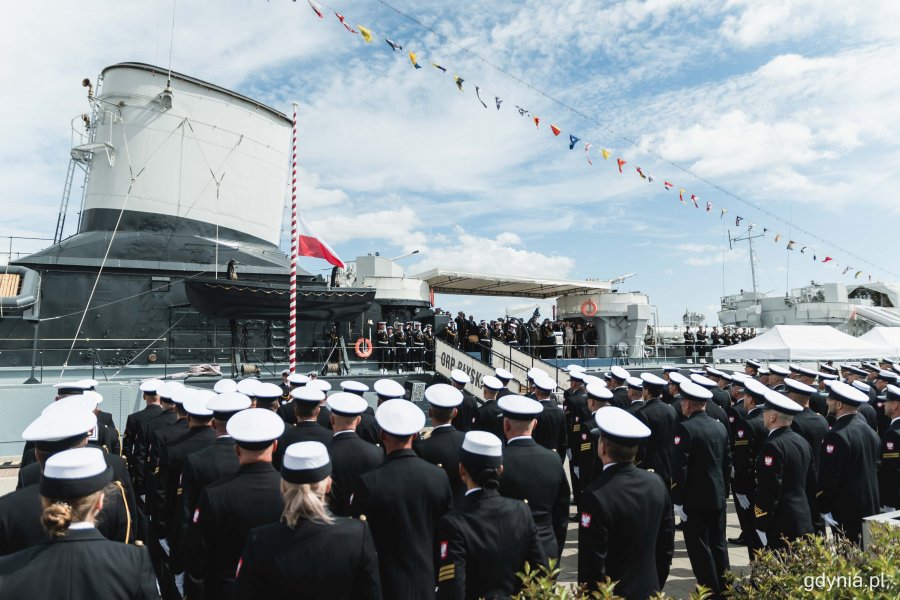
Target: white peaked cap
492, 383
255, 425
388, 388
443, 395
225, 385
400, 417
267, 390
60, 425
357, 387
229, 402
248, 386
460, 376
620, 426
482, 443
346, 404
151, 385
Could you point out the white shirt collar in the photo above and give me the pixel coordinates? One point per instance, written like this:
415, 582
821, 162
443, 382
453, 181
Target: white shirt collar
894, 420
81, 525
444, 425
771, 431
608, 465
337, 433
638, 400
476, 489
519, 437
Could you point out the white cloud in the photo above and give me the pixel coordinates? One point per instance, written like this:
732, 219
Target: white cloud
469, 252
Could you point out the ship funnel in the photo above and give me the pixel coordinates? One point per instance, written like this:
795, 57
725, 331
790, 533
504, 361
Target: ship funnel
190, 158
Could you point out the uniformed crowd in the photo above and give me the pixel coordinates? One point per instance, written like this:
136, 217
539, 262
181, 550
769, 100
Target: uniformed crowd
702, 342
577, 338
255, 490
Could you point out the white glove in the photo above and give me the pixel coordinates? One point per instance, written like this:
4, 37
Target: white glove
743, 501
679, 512
829, 519
164, 543
762, 537
577, 471
887, 509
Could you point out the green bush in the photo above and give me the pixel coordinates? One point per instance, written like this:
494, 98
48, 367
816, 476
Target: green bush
541, 584
814, 567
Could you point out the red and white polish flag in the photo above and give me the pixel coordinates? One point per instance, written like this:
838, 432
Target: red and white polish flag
310, 244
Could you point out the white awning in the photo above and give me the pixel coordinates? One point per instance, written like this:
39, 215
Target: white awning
442, 281
801, 342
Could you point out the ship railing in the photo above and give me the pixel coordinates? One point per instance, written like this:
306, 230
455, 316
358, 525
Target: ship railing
107, 363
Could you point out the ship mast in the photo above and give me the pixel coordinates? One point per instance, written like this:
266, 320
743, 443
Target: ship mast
749, 238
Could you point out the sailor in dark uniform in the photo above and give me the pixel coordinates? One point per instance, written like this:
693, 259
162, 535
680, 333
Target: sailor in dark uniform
229, 508
105, 437
655, 451
533, 474
82, 562
576, 411
505, 377
487, 540
785, 477
586, 457
350, 456
399, 345
286, 410
865, 411
750, 433
626, 531
889, 469
267, 395
324, 418
467, 412
385, 389
550, 431
617, 384
848, 459
383, 348
819, 400
403, 499
752, 367
667, 375
155, 480
133, 423
148, 428
200, 435
428, 335
882, 380
689, 339
490, 417
63, 390
701, 467
205, 467
712, 409
777, 373
720, 396
310, 552
306, 406
441, 445
809, 424
635, 389
55, 431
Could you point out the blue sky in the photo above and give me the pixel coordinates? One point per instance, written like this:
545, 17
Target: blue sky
789, 105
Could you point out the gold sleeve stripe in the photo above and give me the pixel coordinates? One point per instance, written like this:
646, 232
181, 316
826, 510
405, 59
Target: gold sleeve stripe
127, 511
576, 427
586, 447
741, 443
759, 512
891, 455
449, 567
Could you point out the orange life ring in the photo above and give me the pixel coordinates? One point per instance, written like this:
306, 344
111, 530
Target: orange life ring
589, 308
363, 347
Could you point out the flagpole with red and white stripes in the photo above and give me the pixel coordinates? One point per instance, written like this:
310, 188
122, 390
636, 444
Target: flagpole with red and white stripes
294, 238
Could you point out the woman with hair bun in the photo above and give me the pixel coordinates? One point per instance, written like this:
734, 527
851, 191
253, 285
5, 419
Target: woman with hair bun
487, 540
311, 553
77, 561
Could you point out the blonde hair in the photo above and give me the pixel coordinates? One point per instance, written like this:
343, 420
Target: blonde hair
305, 501
59, 513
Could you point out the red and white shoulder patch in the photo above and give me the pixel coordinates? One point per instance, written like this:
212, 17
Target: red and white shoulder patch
677, 439
889, 445
740, 433
196, 515
584, 436
768, 461
829, 448
585, 519
237, 572
444, 546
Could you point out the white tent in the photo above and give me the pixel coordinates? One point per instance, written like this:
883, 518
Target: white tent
886, 337
801, 342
